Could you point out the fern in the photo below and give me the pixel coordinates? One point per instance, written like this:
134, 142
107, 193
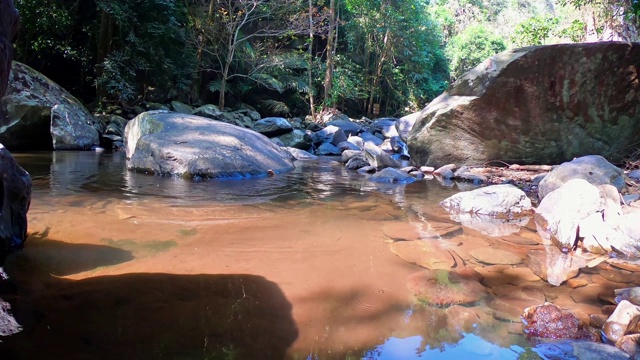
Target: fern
277, 107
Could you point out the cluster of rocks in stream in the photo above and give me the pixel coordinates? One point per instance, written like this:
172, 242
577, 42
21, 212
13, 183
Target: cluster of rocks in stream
502, 251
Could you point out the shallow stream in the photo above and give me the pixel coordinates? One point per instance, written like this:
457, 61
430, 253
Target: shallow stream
302, 265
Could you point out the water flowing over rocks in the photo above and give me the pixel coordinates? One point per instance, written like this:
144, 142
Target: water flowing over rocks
36, 113
191, 146
540, 105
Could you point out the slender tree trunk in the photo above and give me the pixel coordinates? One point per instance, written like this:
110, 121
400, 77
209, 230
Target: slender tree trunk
378, 73
105, 35
225, 76
328, 78
310, 69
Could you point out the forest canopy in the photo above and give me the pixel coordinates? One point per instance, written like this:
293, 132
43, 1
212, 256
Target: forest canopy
293, 57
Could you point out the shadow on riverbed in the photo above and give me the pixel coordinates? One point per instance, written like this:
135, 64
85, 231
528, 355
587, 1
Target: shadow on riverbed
145, 315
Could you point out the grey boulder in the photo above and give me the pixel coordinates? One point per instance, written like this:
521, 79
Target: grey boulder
192, 146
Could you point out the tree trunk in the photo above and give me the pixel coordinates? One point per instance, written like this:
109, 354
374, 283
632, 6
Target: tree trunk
328, 78
378, 73
310, 69
105, 36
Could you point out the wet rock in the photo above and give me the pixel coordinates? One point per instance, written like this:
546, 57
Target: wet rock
592, 168
561, 211
496, 200
327, 149
471, 177
427, 169
617, 275
445, 168
37, 113
356, 162
578, 350
296, 139
490, 225
424, 253
616, 325
301, 154
554, 266
330, 134
367, 170
15, 189
548, 321
347, 126
442, 287
392, 176
577, 283
379, 158
479, 118
191, 146
631, 295
492, 256
630, 344
349, 154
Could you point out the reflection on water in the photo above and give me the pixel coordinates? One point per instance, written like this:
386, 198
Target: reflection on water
126, 265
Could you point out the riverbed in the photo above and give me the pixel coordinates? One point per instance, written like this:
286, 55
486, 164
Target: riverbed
120, 265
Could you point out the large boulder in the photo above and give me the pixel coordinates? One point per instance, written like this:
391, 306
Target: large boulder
192, 146
37, 113
544, 104
15, 197
272, 126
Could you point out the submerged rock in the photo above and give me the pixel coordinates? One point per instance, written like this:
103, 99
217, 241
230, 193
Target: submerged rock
443, 287
192, 146
548, 321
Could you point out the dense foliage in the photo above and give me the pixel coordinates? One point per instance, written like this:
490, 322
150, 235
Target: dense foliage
378, 57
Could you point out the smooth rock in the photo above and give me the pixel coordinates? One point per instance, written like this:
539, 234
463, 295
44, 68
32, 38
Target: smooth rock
494, 200
272, 126
330, 134
379, 158
385, 126
347, 126
592, 168
348, 154
405, 124
356, 162
15, 192
193, 146
301, 154
182, 108
554, 266
37, 114
616, 325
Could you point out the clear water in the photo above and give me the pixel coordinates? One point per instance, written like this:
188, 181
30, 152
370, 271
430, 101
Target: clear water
121, 265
